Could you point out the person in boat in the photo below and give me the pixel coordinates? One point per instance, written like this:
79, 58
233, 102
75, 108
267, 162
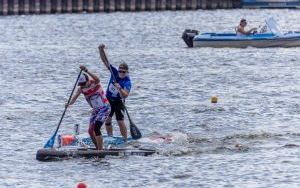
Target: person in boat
90, 87
240, 30
117, 90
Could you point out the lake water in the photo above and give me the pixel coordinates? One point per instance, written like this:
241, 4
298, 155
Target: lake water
250, 138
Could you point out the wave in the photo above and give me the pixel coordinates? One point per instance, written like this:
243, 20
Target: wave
182, 144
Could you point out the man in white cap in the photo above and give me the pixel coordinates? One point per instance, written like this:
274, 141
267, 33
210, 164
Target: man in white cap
89, 86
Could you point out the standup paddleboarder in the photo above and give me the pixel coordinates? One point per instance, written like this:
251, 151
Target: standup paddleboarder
117, 90
90, 87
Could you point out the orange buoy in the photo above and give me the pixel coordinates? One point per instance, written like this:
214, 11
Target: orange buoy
214, 99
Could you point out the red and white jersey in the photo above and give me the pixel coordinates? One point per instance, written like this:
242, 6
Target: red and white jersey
95, 95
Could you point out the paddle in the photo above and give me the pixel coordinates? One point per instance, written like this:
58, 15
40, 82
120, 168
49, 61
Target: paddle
134, 131
50, 142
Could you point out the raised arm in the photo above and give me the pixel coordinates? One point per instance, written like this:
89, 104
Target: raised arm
83, 68
103, 55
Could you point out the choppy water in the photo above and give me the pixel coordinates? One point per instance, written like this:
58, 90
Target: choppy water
251, 138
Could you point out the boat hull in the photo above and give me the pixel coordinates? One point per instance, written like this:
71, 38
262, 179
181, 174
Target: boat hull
270, 3
247, 43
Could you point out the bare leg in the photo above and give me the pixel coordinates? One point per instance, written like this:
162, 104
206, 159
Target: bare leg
94, 141
99, 141
123, 129
92, 135
108, 126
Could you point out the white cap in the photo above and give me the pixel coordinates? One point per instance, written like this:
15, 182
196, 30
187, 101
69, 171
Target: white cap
82, 79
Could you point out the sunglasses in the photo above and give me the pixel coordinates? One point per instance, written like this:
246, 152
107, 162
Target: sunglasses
121, 71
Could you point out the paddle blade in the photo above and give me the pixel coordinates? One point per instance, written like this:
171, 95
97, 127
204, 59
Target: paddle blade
50, 143
135, 132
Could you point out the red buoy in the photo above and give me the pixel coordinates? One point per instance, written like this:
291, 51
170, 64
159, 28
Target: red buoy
81, 185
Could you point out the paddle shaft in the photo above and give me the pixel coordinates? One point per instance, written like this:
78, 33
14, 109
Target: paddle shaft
54, 135
68, 102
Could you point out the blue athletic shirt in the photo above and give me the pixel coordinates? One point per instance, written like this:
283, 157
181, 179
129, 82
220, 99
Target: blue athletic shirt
112, 92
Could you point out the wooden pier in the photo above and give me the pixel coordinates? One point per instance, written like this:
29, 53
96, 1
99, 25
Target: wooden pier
16, 7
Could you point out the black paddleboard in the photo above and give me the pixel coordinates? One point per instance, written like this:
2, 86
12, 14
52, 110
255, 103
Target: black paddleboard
59, 154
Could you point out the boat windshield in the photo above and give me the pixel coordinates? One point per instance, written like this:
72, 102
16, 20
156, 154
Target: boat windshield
273, 26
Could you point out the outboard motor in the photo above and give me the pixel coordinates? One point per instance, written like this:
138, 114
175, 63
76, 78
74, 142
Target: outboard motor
188, 36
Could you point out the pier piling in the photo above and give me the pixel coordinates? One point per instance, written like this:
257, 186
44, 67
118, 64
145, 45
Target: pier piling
15, 7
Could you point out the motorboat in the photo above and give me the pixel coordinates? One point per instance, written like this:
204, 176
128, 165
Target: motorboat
269, 36
270, 3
